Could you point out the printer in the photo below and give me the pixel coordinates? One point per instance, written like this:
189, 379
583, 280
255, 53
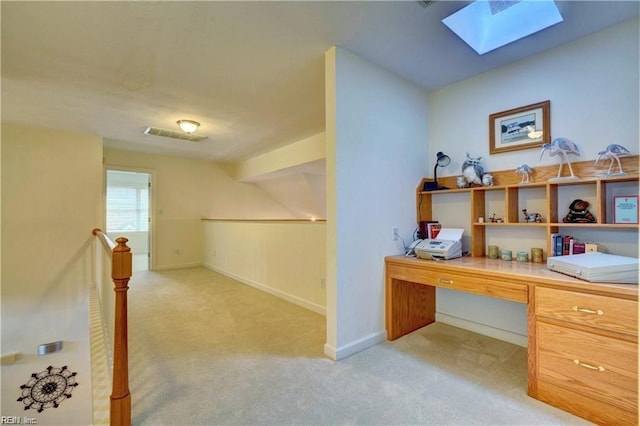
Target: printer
446, 246
597, 267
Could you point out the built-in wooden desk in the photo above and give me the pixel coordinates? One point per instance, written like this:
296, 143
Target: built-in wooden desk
582, 337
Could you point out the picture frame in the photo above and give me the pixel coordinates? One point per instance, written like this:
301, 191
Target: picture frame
625, 209
525, 127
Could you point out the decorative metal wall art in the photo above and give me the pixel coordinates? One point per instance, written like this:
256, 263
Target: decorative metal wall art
48, 388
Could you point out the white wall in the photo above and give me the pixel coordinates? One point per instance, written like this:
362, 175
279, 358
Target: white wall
376, 128
51, 186
51, 200
592, 84
284, 258
186, 191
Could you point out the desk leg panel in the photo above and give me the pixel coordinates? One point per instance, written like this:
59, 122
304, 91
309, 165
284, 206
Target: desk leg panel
409, 306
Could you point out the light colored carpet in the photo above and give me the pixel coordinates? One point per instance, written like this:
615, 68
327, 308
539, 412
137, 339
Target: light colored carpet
207, 350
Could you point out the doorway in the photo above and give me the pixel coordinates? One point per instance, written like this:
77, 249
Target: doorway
128, 201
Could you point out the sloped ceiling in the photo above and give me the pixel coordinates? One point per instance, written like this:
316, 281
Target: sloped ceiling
301, 189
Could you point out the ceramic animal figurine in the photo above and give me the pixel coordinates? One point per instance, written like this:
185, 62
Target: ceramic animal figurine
524, 170
487, 180
561, 147
461, 182
578, 213
531, 217
472, 170
613, 152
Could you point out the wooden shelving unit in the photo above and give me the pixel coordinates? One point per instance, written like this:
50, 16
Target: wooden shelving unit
508, 186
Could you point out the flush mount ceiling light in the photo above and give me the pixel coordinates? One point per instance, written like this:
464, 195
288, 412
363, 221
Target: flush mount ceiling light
486, 25
188, 126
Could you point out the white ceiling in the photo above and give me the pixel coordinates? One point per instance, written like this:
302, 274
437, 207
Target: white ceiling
251, 72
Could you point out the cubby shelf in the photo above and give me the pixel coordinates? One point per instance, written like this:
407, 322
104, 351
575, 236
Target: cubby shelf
551, 193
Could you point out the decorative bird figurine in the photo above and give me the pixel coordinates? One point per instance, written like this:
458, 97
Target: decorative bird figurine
524, 170
562, 147
487, 179
472, 170
613, 152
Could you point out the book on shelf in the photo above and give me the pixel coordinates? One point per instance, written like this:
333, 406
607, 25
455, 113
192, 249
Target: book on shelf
579, 248
564, 245
433, 230
557, 244
424, 228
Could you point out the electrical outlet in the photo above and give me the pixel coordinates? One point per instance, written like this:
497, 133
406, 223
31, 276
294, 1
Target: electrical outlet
395, 233
323, 283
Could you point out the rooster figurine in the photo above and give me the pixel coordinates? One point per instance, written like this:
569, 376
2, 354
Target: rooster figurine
472, 170
561, 147
613, 152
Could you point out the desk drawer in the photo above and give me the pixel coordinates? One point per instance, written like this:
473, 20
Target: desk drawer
603, 312
478, 284
594, 366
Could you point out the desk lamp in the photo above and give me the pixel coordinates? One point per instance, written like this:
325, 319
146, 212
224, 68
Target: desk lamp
442, 160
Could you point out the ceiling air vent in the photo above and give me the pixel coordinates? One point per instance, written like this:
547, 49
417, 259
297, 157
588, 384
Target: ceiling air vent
191, 137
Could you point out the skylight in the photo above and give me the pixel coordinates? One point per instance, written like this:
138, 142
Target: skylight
486, 25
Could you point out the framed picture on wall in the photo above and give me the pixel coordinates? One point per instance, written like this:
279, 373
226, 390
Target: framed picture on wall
625, 209
520, 128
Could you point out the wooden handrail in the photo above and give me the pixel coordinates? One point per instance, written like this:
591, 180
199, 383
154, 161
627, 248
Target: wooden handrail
121, 271
107, 242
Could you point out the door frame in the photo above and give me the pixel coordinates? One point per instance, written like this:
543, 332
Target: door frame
152, 213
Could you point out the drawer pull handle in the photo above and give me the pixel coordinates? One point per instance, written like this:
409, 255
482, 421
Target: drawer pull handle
590, 367
443, 281
588, 311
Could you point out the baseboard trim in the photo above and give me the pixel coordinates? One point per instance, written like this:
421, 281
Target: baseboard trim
354, 347
176, 266
275, 292
485, 330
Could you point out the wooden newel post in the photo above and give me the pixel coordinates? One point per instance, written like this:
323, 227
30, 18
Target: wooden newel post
120, 396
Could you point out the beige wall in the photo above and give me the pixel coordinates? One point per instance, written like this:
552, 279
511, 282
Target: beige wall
293, 155
185, 191
286, 259
51, 186
294, 175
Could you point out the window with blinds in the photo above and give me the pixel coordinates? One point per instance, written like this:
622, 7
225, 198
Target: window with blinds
127, 202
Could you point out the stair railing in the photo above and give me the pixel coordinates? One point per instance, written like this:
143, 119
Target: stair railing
121, 270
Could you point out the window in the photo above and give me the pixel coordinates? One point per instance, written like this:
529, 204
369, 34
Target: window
127, 201
486, 25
